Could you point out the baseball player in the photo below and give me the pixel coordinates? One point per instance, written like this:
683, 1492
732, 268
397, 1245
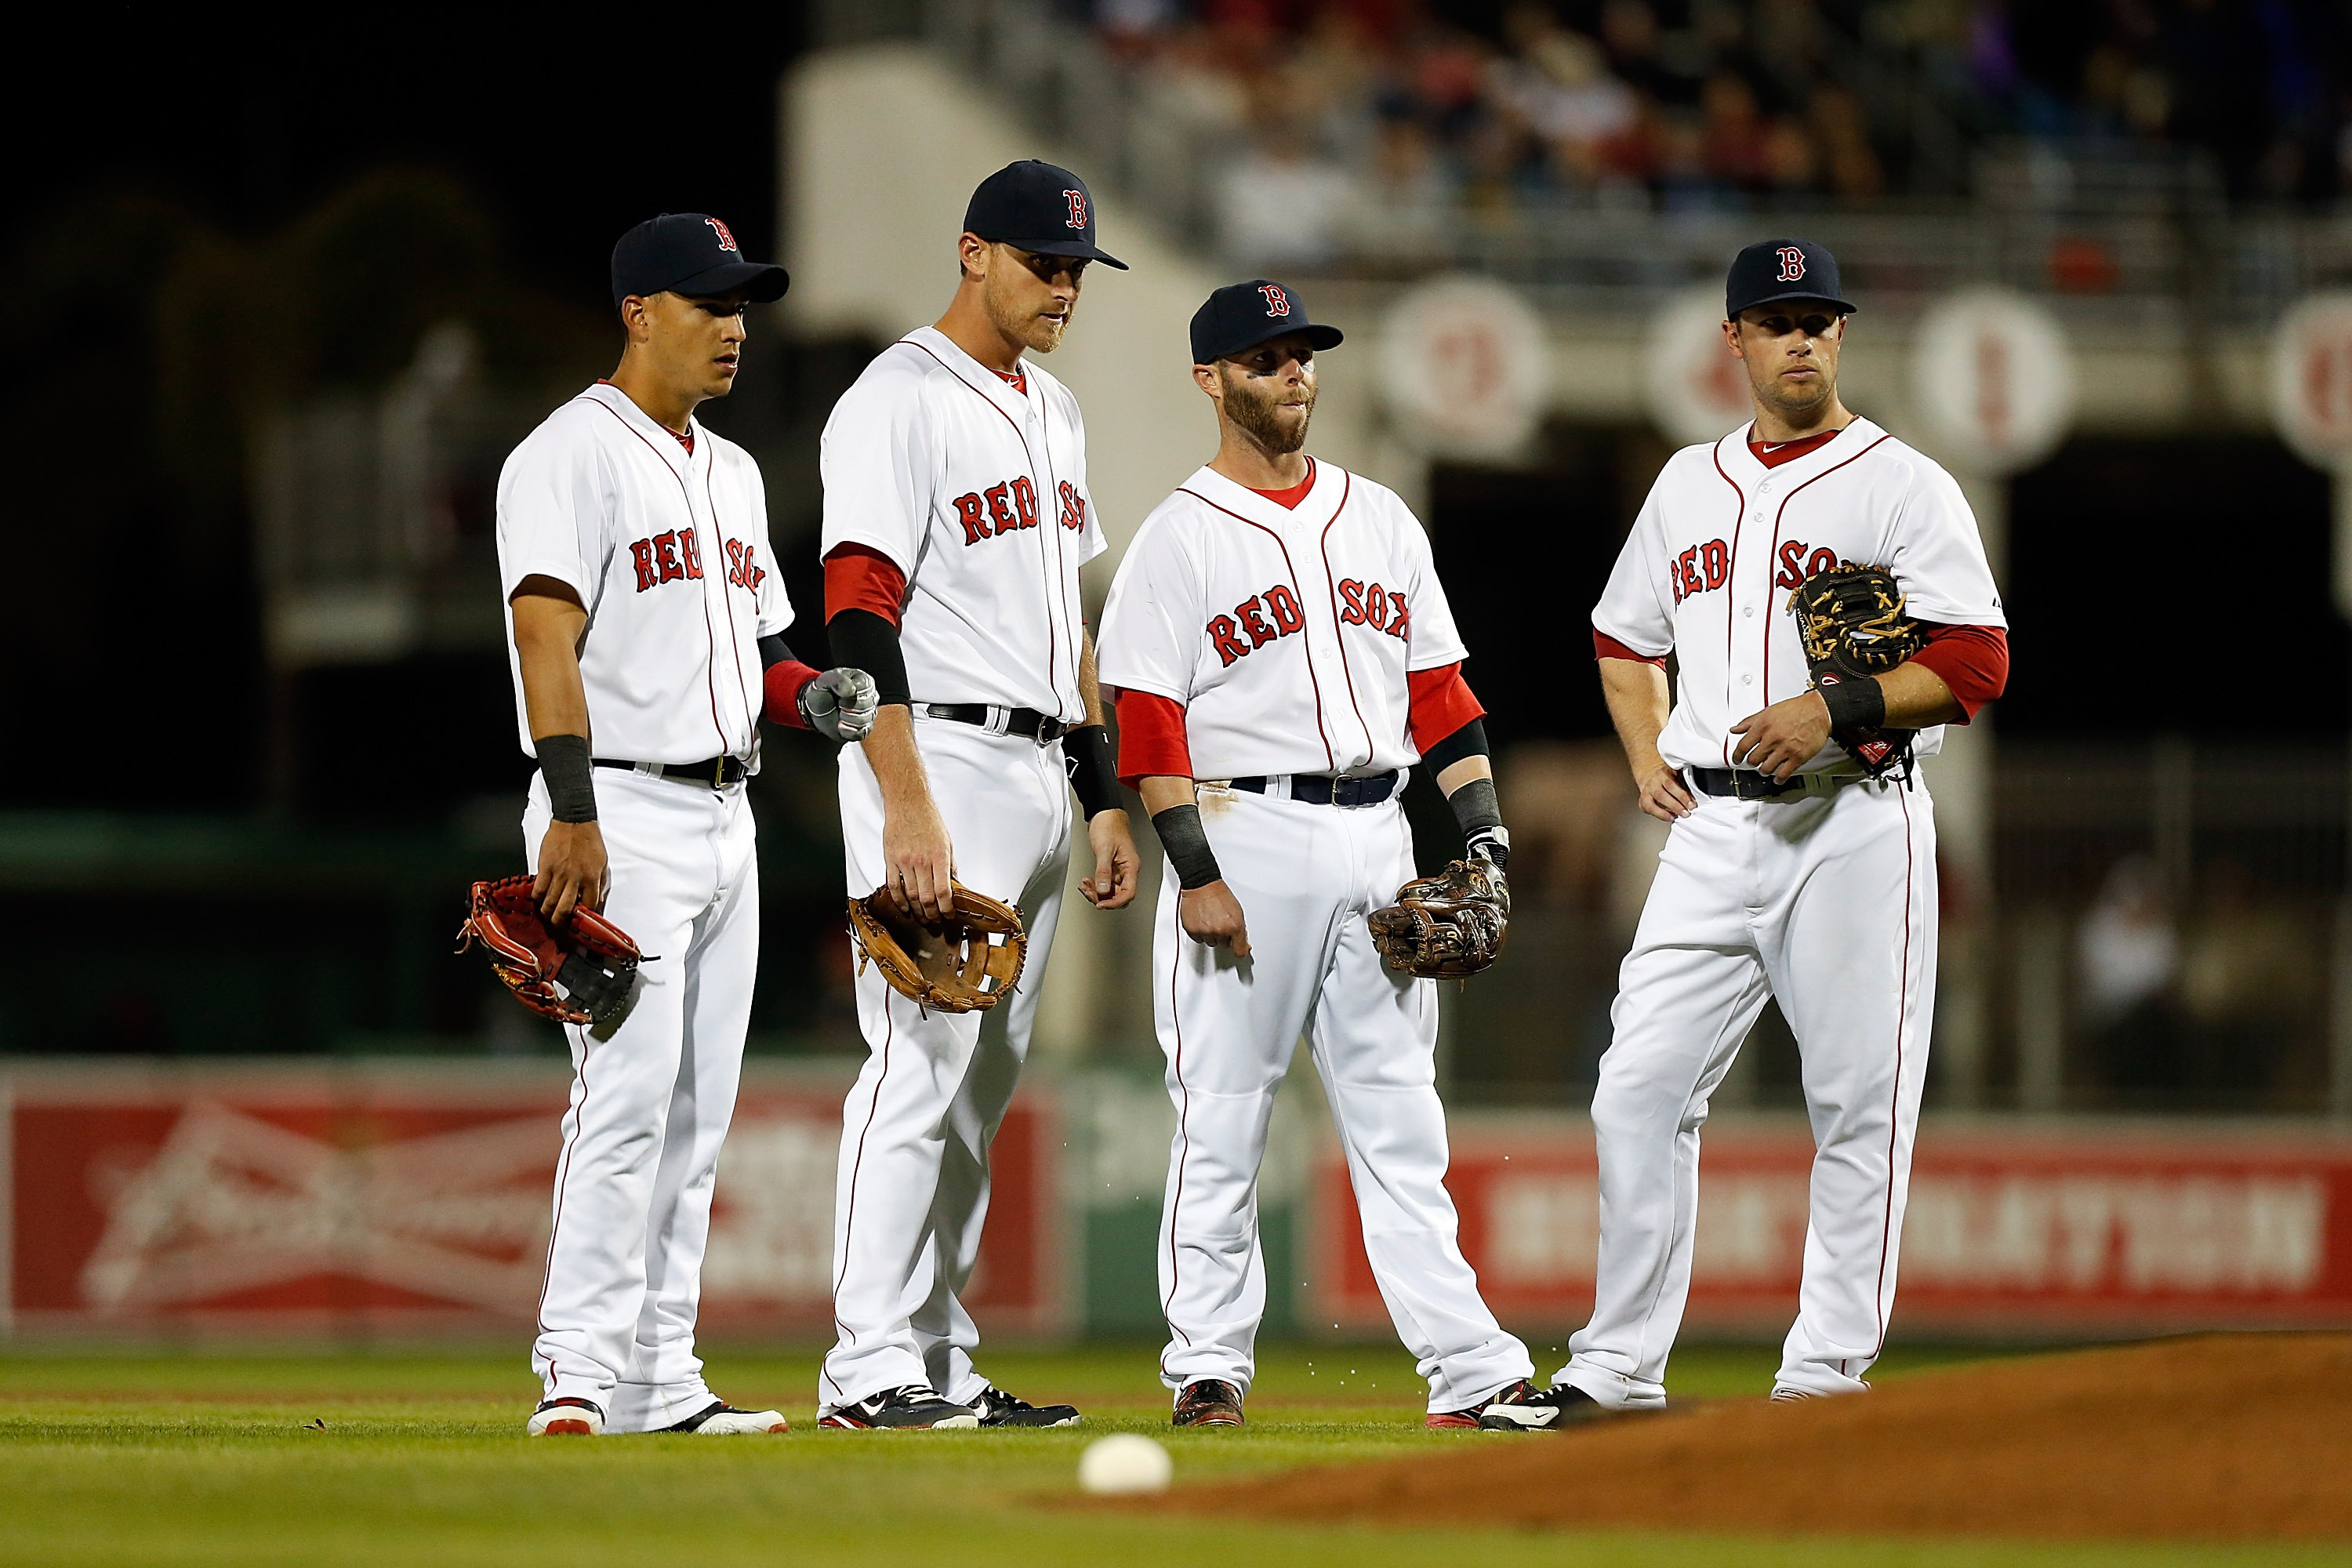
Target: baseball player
1789, 871
1283, 654
956, 518
645, 623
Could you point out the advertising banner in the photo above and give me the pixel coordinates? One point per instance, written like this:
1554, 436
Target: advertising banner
2086, 1227
399, 1198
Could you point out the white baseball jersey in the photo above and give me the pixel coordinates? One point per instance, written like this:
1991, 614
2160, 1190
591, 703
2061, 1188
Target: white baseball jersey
1287, 634
669, 553
978, 493
1707, 571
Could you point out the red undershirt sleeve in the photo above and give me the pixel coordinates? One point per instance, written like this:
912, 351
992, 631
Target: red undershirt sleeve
1972, 661
859, 578
1442, 703
1606, 647
782, 689
1152, 738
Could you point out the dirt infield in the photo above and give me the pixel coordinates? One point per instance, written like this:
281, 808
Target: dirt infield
2220, 1436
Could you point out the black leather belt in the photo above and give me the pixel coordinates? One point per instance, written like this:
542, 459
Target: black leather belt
714, 771
1026, 722
1321, 789
1747, 784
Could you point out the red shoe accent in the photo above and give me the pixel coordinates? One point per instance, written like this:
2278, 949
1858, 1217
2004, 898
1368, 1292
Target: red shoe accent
1452, 1420
569, 1427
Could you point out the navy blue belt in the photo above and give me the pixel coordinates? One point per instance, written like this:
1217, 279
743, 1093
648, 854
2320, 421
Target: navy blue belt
1321, 789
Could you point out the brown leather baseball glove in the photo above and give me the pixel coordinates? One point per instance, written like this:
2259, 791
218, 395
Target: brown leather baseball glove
577, 972
1447, 926
967, 964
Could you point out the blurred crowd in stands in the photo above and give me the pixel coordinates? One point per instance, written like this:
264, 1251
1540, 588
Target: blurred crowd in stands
1715, 104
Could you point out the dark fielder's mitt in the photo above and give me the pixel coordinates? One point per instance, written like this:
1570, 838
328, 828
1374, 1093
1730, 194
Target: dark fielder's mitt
1852, 624
967, 965
578, 972
1447, 926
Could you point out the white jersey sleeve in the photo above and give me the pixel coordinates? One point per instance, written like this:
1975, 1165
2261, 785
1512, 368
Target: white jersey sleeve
1436, 640
555, 508
881, 461
1151, 622
1633, 609
773, 606
1939, 557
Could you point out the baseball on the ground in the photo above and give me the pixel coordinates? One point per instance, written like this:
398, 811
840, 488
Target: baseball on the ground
1124, 1463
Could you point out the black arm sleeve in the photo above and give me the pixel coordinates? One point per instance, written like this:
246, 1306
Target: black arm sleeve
864, 640
773, 651
1470, 740
1094, 777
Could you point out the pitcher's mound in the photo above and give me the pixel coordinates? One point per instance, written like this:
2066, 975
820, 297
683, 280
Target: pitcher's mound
2222, 1435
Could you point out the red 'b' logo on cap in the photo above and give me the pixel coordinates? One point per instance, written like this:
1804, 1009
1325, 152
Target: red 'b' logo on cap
726, 239
1793, 264
1278, 304
1077, 200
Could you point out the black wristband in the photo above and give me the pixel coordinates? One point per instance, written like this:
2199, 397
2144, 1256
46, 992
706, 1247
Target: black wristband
563, 763
1475, 807
860, 639
1094, 777
1854, 701
1187, 843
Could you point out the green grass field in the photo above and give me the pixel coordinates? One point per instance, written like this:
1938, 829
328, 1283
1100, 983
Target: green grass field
202, 1457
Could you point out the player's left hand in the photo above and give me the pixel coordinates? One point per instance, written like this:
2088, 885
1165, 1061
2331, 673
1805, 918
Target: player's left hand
1784, 737
1117, 865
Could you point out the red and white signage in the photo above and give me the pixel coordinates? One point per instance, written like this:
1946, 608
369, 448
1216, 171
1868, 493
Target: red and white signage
1992, 381
2311, 380
2075, 1229
332, 1197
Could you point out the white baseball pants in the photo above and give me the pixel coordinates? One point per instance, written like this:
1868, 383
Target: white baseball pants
652, 1093
912, 1195
1827, 904
1308, 877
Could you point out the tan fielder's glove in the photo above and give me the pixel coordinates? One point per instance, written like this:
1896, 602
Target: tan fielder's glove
577, 972
1447, 926
967, 965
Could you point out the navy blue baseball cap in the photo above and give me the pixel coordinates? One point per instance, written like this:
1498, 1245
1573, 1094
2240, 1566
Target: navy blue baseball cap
1774, 269
693, 253
1042, 208
1243, 315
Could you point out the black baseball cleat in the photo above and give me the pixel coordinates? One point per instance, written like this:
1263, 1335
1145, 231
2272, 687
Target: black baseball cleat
720, 1419
1561, 1406
567, 1418
1212, 1401
916, 1406
997, 1408
1467, 1417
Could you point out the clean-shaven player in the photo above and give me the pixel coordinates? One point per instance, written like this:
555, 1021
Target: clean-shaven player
1284, 654
956, 518
646, 623
1788, 874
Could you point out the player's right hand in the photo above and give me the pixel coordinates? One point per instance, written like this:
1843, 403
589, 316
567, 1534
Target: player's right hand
921, 862
572, 869
1664, 794
1212, 916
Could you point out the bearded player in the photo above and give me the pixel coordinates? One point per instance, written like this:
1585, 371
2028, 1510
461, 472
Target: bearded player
956, 518
1793, 871
648, 635
1284, 655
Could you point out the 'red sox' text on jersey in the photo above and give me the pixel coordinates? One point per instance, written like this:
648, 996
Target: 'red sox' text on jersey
666, 548
1287, 634
1707, 571
975, 490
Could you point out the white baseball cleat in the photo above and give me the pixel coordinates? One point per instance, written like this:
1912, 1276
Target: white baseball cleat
723, 1420
567, 1418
